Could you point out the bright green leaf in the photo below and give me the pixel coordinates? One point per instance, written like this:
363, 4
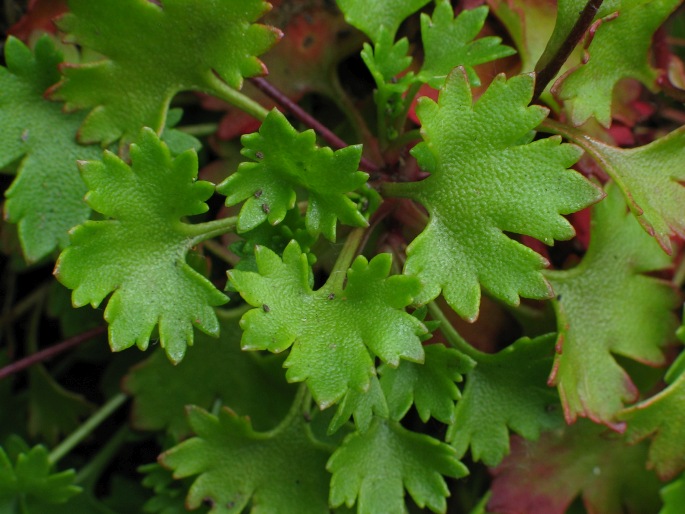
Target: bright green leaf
449, 42
334, 334
218, 371
485, 180
430, 386
139, 254
661, 417
46, 198
607, 305
154, 50
506, 391
370, 16
651, 178
283, 470
284, 160
375, 467
620, 48
362, 405
30, 482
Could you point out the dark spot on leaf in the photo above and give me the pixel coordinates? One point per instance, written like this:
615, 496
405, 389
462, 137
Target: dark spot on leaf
259, 155
558, 298
265, 308
258, 193
266, 208
208, 501
331, 296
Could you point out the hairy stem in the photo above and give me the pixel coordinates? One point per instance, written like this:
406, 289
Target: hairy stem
78, 435
547, 68
332, 139
49, 353
223, 91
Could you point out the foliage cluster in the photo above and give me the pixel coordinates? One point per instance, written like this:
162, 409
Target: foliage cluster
473, 307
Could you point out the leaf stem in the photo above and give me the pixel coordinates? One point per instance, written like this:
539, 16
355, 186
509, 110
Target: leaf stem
408, 100
199, 130
548, 67
89, 474
223, 91
399, 189
221, 252
453, 337
86, 428
332, 139
342, 264
49, 353
202, 231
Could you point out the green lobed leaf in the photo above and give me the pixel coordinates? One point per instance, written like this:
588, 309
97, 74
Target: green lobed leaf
620, 48
278, 471
486, 180
673, 495
607, 306
335, 334
506, 391
139, 252
661, 418
429, 386
362, 405
215, 371
29, 482
651, 178
46, 197
370, 16
578, 460
169, 495
284, 160
375, 468
449, 41
215, 43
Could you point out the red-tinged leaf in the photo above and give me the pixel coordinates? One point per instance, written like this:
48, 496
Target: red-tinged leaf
580, 460
39, 17
651, 178
607, 306
662, 419
619, 49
